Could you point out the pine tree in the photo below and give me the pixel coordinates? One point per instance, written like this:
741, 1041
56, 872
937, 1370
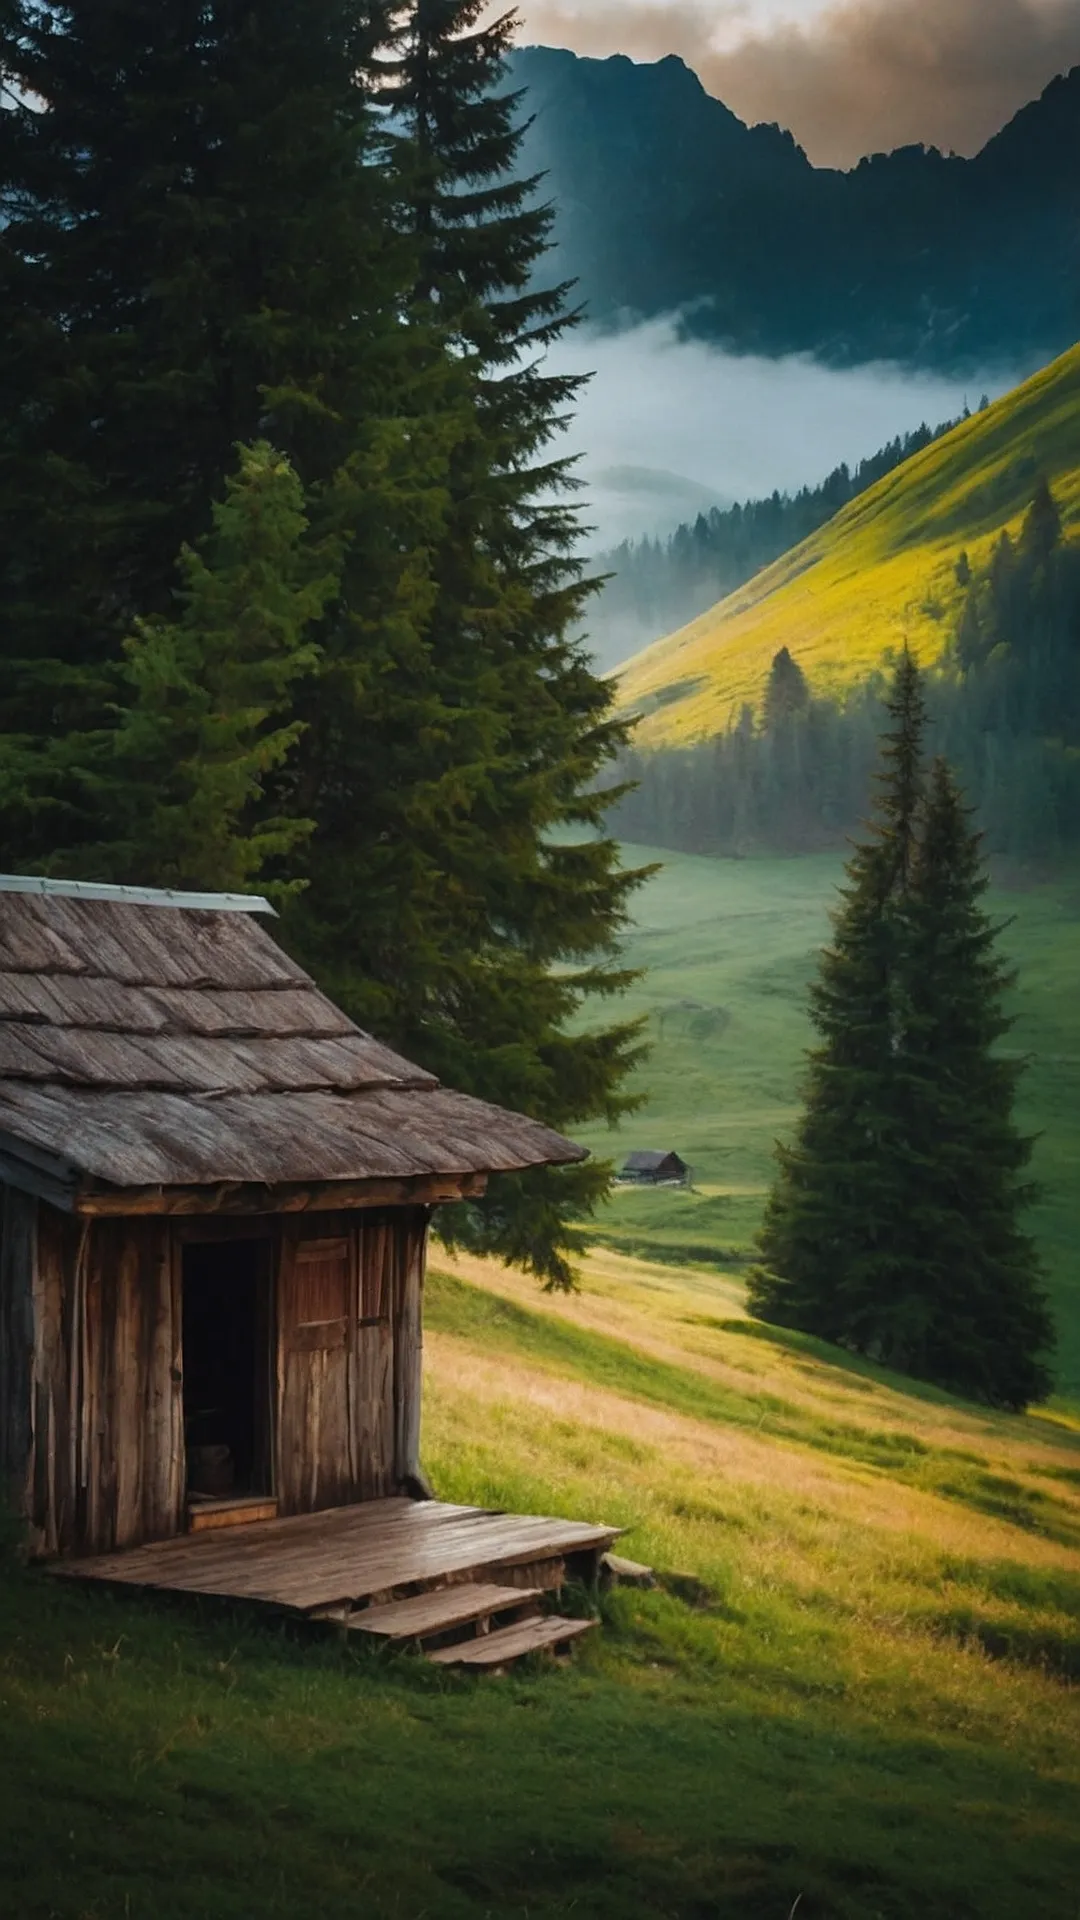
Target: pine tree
785, 811
980, 1323
1041, 531
900, 780
786, 691
493, 898
196, 253
832, 1242
832, 1215
969, 643
207, 725
212, 238
892, 1225
834, 1222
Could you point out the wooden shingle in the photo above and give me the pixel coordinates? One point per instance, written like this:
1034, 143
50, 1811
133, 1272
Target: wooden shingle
146, 1045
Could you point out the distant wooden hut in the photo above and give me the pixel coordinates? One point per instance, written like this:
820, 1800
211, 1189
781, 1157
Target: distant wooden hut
213, 1216
648, 1168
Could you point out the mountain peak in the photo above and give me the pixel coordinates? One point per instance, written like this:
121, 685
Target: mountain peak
667, 202
1044, 137
641, 101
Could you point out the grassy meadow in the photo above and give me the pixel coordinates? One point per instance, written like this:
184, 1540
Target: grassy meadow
727, 948
880, 574
848, 1698
852, 1693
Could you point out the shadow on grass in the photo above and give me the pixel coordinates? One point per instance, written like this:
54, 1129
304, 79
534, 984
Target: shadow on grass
673, 1253
854, 1365
1049, 1649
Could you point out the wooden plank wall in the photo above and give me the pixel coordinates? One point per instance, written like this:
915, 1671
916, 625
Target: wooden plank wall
18, 1258
317, 1292
106, 1400
409, 1352
349, 1357
380, 1245
91, 1395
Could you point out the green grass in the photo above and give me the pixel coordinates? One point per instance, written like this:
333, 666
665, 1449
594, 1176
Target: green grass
851, 1696
850, 1690
493, 1323
881, 573
728, 948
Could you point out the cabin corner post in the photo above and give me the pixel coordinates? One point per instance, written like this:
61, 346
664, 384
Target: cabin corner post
409, 1361
18, 1264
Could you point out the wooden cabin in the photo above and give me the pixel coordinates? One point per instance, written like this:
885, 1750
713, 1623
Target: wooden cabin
214, 1208
649, 1167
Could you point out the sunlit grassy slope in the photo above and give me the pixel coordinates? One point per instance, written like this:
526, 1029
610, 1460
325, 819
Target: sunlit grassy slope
880, 573
852, 1695
727, 948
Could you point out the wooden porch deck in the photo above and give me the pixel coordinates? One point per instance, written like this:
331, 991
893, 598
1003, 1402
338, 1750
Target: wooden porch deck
349, 1555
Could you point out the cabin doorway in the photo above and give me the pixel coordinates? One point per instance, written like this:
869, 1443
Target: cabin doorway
226, 1370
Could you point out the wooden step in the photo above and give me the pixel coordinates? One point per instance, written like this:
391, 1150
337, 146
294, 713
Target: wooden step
626, 1573
507, 1644
234, 1511
439, 1612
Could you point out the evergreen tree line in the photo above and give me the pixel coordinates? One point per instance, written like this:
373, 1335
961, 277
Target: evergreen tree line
894, 1225
1004, 706
655, 586
289, 578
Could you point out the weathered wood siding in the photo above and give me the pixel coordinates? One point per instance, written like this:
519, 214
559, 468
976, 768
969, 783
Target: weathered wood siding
104, 1397
348, 1350
409, 1353
91, 1394
18, 1258
317, 1290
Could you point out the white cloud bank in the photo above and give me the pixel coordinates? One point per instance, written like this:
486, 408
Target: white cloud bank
667, 425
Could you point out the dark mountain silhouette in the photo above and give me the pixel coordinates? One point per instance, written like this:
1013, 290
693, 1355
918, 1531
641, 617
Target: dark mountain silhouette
667, 201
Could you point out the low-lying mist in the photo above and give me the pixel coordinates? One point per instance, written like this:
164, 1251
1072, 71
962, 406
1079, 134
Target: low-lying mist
669, 426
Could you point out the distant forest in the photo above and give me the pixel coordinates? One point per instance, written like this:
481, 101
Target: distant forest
659, 585
1004, 706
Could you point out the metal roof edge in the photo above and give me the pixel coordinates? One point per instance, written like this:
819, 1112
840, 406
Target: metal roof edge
136, 896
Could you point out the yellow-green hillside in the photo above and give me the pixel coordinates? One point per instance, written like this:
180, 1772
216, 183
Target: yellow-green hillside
880, 573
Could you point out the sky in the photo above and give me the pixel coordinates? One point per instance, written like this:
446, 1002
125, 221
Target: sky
847, 77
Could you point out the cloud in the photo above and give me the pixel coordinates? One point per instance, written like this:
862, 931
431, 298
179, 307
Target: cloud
670, 425
887, 73
860, 77
645, 31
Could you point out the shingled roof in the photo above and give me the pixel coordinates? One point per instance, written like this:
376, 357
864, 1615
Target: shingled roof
147, 1042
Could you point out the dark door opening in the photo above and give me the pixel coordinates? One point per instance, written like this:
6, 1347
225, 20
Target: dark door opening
226, 1303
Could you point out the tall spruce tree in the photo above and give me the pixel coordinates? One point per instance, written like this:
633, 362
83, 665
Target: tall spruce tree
205, 243
495, 906
196, 251
893, 1224
980, 1322
833, 1238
